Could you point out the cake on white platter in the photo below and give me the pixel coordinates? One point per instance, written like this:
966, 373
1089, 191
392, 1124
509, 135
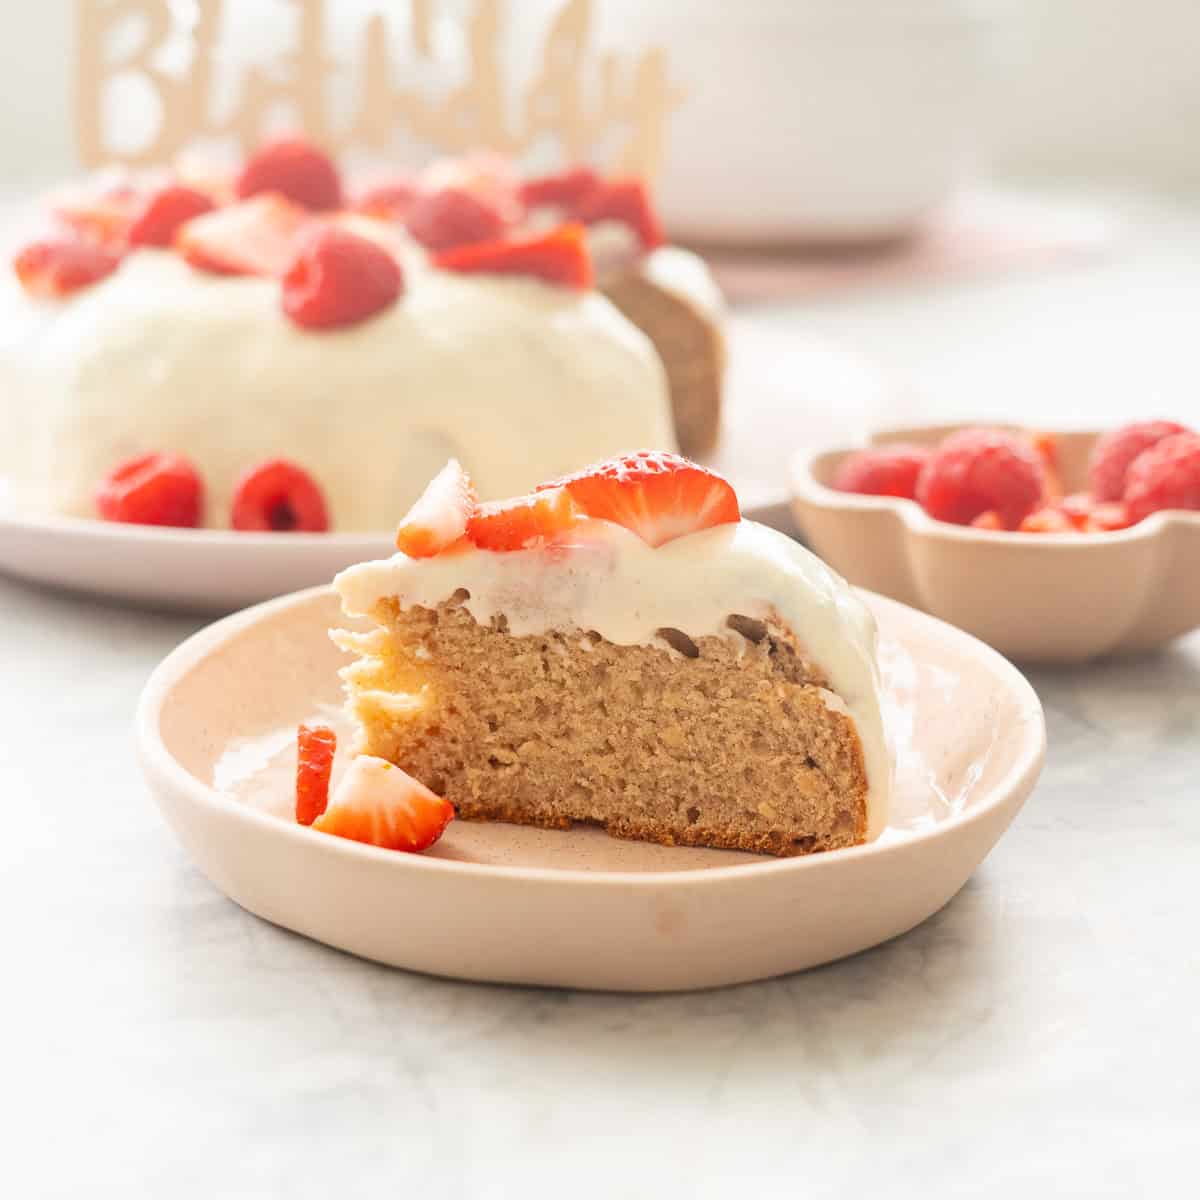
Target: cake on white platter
230, 351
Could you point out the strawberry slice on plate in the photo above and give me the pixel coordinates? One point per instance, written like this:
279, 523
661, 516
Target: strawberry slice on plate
256, 237
525, 521
438, 520
659, 496
381, 805
560, 256
315, 748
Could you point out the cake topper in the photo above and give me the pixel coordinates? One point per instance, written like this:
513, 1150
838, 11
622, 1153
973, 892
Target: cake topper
585, 102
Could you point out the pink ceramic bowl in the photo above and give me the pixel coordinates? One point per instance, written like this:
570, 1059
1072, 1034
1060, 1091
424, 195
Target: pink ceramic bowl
1038, 597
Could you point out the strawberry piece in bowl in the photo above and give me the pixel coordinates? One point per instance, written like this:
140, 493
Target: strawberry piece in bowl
559, 257
315, 747
523, 522
380, 805
152, 489
628, 202
256, 237
278, 496
454, 216
659, 496
57, 267
439, 518
883, 471
295, 168
338, 278
162, 213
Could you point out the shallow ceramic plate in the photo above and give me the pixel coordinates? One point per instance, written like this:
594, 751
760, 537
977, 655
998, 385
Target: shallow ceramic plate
579, 909
1065, 597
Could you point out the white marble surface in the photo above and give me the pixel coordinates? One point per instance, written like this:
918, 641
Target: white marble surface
1041, 1035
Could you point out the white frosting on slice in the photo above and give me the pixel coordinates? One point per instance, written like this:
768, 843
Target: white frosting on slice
519, 380
608, 580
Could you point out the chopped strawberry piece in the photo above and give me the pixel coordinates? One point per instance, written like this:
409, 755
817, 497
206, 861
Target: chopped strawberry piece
389, 200
379, 804
627, 201
1113, 454
152, 489
1078, 507
280, 497
560, 256
256, 237
882, 471
454, 216
294, 168
988, 520
1167, 476
1047, 520
975, 470
339, 278
1108, 517
161, 214
565, 189
659, 496
439, 518
315, 748
523, 522
1046, 445
60, 266
102, 216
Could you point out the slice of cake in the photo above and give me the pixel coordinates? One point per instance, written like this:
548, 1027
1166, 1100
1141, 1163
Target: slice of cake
620, 648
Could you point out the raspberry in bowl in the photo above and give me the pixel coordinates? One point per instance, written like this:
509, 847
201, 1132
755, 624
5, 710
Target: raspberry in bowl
1054, 546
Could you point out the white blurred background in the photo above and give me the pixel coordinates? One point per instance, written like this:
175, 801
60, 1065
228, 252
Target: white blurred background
1105, 92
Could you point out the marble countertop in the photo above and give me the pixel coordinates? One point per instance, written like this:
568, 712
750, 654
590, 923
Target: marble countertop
1041, 1034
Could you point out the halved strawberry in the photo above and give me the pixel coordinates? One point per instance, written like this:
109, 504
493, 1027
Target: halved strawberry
988, 520
315, 748
381, 805
564, 189
439, 517
627, 201
59, 266
659, 496
560, 256
1109, 516
256, 237
1047, 520
523, 522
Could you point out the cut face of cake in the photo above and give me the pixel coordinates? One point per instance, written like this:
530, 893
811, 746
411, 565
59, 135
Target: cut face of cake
273, 316
620, 649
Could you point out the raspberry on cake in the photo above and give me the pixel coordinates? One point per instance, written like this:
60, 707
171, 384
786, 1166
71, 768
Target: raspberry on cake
621, 649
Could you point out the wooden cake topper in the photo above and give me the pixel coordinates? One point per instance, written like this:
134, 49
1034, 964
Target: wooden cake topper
587, 105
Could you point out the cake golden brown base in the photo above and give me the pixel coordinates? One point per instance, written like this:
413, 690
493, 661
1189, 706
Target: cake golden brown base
733, 743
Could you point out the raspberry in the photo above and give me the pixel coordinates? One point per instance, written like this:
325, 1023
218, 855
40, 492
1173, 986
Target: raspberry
279, 496
975, 470
163, 212
294, 168
1114, 452
1165, 476
152, 489
885, 471
338, 279
454, 216
58, 267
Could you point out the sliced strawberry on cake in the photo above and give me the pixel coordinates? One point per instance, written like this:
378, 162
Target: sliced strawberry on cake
560, 257
620, 648
256, 237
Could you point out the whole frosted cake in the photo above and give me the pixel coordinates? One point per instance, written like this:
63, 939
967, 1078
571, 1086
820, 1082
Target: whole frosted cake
269, 351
